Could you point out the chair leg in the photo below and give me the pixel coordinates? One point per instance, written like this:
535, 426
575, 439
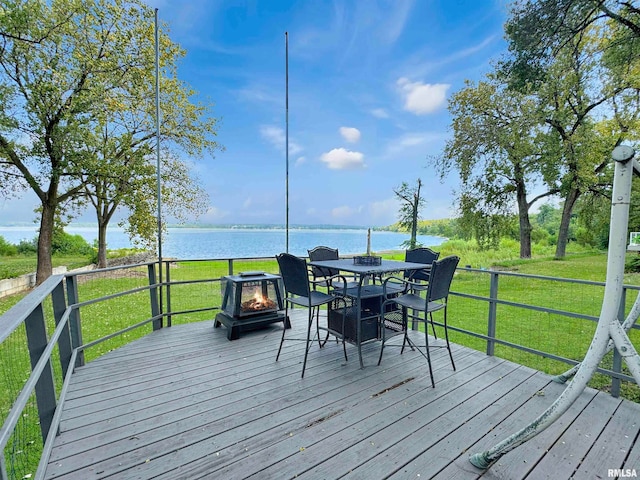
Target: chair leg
344, 343
344, 348
284, 329
322, 343
405, 325
317, 314
433, 327
426, 343
306, 350
383, 338
446, 336
426, 354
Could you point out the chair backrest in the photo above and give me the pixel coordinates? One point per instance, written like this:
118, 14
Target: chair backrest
441, 277
294, 274
420, 255
323, 253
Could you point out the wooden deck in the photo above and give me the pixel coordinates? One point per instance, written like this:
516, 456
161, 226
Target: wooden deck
185, 402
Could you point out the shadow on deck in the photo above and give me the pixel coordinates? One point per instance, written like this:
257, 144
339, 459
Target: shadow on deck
184, 402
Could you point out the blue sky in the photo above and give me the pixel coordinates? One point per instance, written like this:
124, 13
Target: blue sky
368, 88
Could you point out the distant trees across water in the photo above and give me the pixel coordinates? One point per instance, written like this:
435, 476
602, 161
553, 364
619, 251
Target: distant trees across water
589, 226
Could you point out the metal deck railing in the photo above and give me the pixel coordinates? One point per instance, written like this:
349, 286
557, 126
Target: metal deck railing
73, 318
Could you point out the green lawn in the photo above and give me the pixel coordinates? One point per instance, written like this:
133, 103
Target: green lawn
14, 266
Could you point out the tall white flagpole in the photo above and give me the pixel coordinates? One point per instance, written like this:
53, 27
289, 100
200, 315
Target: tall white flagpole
286, 63
158, 193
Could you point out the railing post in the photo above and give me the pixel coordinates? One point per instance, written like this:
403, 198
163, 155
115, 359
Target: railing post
153, 292
491, 321
64, 342
45, 389
168, 289
617, 359
75, 326
230, 262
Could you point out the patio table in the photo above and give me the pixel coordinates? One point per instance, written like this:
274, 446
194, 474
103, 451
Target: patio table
367, 298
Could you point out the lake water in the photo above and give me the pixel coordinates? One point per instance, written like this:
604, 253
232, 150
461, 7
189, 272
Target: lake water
194, 243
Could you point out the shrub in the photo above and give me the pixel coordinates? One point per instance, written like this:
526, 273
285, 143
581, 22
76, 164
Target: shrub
66, 244
632, 264
7, 249
28, 247
541, 236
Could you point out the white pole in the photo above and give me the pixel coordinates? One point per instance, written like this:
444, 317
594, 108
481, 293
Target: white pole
286, 67
158, 192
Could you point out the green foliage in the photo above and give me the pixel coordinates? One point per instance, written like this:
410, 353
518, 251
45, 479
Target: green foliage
632, 264
81, 85
548, 117
64, 243
548, 218
6, 248
28, 247
447, 228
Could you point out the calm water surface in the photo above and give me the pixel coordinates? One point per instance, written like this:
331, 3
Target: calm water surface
193, 243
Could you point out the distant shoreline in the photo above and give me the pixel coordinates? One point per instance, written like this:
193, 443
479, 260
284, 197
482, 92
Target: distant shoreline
230, 226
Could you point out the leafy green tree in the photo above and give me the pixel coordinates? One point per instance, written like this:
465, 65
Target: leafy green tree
548, 218
576, 94
479, 221
410, 204
539, 29
64, 66
122, 149
494, 150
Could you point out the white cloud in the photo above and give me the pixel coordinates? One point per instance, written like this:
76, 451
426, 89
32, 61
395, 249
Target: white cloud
350, 134
380, 113
300, 161
258, 94
396, 18
276, 136
412, 139
214, 213
384, 211
422, 98
247, 203
341, 159
344, 211
397, 146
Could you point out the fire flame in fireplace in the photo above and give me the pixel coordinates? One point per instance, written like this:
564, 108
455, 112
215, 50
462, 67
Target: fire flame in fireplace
258, 302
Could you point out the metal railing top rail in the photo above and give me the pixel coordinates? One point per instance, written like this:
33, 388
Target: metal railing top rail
108, 269
542, 277
17, 314
44, 359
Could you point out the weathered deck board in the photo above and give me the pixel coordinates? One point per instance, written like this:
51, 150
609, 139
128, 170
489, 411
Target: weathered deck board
184, 402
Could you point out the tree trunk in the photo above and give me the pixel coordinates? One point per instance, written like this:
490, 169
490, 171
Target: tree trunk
45, 267
102, 245
414, 227
414, 222
525, 223
563, 232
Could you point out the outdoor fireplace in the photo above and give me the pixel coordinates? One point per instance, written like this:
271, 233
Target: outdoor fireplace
250, 300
